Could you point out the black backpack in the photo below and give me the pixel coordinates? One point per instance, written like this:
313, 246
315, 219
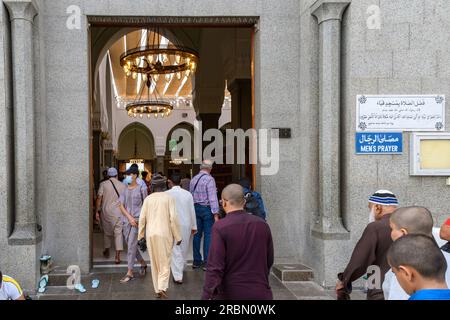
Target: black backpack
252, 206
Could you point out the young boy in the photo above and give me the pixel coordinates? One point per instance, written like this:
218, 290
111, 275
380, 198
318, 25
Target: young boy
408, 220
419, 267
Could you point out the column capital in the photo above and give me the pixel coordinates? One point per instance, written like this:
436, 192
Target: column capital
21, 9
325, 10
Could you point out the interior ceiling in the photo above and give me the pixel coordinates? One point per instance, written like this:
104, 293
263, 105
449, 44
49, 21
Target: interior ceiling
127, 87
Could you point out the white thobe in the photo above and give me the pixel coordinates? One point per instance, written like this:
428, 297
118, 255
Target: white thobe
188, 222
158, 221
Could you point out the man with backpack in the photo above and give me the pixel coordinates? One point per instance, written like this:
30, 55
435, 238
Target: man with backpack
107, 211
253, 201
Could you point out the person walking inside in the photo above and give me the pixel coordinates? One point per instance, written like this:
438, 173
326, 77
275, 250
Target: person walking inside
131, 201
188, 226
204, 191
159, 224
109, 214
241, 253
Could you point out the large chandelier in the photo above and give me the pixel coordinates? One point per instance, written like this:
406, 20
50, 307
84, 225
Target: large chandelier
154, 57
152, 105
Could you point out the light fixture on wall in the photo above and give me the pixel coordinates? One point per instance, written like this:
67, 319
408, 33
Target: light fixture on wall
152, 105
155, 56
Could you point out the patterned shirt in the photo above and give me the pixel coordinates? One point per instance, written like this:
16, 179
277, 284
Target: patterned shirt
205, 192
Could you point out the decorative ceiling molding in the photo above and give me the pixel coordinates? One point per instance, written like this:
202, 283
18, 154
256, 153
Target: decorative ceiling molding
229, 21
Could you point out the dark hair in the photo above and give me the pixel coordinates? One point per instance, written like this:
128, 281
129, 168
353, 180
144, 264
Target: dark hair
188, 175
176, 179
144, 174
421, 253
245, 183
160, 173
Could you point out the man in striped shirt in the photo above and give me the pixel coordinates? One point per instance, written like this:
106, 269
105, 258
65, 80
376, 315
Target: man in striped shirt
10, 289
204, 191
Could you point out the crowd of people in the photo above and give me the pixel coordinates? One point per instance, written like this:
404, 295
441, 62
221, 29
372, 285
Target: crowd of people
401, 252
163, 215
398, 252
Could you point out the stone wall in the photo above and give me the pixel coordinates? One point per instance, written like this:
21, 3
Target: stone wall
407, 55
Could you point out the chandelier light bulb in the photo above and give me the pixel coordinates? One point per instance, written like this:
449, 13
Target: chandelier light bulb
156, 115
188, 61
144, 77
128, 73
148, 115
193, 66
134, 75
179, 75
134, 115
187, 73
165, 58
178, 59
168, 77
156, 77
140, 116
150, 58
137, 61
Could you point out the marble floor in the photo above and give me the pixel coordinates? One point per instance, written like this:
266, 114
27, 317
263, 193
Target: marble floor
141, 288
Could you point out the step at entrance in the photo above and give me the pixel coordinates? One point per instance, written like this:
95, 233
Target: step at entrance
292, 272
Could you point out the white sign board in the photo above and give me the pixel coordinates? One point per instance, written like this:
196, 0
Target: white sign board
400, 113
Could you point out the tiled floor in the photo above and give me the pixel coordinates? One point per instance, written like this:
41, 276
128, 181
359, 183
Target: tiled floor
141, 288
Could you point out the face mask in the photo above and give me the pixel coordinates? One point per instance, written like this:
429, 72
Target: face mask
127, 180
372, 215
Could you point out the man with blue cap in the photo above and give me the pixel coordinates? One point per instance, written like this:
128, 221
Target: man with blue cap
371, 249
109, 214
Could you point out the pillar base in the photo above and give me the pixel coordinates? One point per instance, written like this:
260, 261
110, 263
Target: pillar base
26, 234
330, 233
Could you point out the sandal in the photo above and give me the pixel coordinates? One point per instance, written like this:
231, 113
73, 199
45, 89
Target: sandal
126, 279
143, 270
43, 283
95, 283
163, 295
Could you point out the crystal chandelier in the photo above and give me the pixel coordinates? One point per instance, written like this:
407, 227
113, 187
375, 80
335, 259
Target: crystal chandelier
152, 105
156, 58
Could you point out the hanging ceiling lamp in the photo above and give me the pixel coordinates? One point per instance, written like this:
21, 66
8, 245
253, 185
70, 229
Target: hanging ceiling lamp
158, 57
152, 105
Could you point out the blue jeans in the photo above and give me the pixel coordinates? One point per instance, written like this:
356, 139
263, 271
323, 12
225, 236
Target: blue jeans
205, 221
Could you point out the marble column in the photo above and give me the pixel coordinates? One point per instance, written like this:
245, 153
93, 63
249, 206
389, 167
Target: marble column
22, 13
329, 15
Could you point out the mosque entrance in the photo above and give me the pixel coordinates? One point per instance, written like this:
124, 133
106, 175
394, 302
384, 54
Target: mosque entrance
218, 94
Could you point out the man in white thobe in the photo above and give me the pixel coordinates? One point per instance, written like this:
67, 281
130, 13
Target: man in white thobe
188, 226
